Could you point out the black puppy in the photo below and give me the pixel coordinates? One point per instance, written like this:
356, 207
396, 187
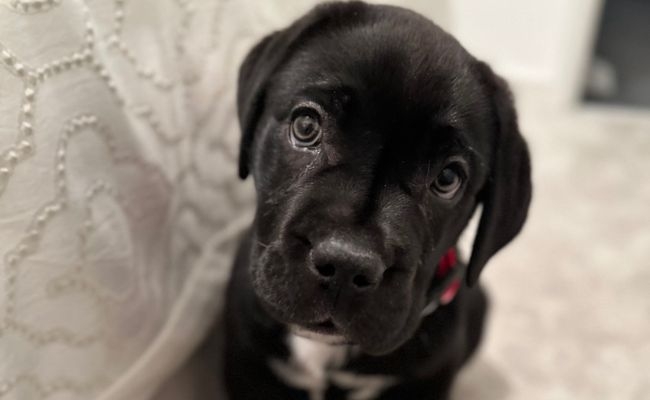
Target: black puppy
372, 136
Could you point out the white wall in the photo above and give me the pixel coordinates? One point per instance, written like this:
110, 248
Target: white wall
540, 44
519, 38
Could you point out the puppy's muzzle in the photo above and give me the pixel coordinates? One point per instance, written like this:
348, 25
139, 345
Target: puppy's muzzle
346, 264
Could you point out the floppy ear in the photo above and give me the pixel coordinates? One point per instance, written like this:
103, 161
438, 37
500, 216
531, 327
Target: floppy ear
263, 61
506, 194
254, 73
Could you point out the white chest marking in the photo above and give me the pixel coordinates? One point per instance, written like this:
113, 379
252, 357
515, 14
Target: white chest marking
313, 365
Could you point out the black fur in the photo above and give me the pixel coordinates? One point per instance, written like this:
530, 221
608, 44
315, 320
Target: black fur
397, 97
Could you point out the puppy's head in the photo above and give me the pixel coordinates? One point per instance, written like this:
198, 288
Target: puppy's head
372, 135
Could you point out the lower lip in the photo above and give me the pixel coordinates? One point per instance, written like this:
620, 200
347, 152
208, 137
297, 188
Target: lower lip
324, 328
323, 332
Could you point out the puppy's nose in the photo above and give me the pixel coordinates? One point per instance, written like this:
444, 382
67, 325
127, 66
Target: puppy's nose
347, 263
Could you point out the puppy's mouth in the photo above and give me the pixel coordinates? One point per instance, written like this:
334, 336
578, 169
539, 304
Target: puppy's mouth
326, 327
325, 331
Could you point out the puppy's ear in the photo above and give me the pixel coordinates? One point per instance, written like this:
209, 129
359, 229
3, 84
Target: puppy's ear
259, 66
506, 194
254, 73
266, 58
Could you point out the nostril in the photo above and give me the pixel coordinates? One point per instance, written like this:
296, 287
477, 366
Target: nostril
360, 281
326, 270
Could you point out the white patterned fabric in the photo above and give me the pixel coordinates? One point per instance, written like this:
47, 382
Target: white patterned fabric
118, 192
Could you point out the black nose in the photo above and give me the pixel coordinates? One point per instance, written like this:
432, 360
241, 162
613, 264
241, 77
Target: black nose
347, 263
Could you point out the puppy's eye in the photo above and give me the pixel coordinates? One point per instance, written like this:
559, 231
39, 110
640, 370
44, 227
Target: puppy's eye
306, 129
449, 180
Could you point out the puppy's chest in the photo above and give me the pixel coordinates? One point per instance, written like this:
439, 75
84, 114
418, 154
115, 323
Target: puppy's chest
316, 368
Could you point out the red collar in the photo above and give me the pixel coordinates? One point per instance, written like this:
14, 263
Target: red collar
446, 282
447, 263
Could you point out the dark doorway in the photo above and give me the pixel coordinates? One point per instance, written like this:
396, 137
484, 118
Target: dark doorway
619, 72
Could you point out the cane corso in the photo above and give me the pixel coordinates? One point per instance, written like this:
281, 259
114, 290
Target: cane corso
372, 136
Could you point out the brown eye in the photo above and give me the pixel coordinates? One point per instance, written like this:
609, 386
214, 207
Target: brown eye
305, 130
449, 181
